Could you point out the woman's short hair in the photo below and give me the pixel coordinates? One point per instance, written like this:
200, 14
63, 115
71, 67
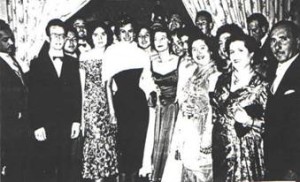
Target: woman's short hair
105, 27
160, 29
232, 29
250, 43
123, 20
207, 40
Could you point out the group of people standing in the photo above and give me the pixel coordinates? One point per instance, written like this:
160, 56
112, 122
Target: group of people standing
165, 103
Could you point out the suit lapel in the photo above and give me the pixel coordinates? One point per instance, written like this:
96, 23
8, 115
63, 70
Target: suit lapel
12, 72
50, 66
288, 77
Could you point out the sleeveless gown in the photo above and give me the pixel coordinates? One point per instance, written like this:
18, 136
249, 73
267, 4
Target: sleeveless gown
166, 114
132, 117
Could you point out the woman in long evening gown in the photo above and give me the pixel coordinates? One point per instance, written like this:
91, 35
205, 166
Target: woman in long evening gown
164, 68
238, 103
125, 63
191, 144
99, 149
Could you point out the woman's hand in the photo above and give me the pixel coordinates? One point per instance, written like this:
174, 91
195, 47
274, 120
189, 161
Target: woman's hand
241, 116
145, 171
113, 119
187, 109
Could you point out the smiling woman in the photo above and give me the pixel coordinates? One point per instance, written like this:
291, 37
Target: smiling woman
238, 103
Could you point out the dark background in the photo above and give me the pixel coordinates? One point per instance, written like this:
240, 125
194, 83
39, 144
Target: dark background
138, 9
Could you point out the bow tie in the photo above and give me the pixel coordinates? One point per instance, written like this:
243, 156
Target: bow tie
83, 45
57, 57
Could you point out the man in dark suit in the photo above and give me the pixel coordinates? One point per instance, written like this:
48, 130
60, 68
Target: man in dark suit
13, 111
55, 106
282, 130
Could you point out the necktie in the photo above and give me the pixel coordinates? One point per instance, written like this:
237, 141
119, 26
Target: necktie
18, 71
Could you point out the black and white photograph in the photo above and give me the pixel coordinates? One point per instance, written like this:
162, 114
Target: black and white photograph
149, 90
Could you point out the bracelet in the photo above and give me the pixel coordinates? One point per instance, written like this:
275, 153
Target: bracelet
206, 150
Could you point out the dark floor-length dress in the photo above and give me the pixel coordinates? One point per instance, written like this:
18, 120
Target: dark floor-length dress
132, 117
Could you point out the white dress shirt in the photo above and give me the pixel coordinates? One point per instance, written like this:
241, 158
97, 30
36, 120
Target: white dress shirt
280, 72
57, 62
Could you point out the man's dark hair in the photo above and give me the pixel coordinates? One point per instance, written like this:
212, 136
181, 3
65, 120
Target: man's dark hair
291, 26
4, 25
55, 22
205, 14
260, 18
70, 28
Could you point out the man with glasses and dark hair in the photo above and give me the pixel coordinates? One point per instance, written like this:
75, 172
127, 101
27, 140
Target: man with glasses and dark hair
54, 106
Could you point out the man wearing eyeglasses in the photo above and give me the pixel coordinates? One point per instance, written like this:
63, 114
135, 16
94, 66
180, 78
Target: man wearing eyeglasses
54, 106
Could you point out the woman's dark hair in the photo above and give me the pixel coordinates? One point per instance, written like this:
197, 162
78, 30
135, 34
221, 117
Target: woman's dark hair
250, 43
144, 26
106, 29
233, 29
207, 40
123, 20
160, 29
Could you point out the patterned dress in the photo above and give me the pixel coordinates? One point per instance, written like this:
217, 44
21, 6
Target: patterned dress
99, 153
238, 149
191, 143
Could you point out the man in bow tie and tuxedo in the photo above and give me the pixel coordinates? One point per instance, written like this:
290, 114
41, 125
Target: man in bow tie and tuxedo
55, 106
282, 130
14, 124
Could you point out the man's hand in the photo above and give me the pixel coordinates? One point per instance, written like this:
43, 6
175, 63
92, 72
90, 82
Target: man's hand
75, 130
3, 171
40, 134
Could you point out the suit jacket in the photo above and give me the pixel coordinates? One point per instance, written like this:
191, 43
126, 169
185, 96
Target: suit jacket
13, 111
54, 102
282, 135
